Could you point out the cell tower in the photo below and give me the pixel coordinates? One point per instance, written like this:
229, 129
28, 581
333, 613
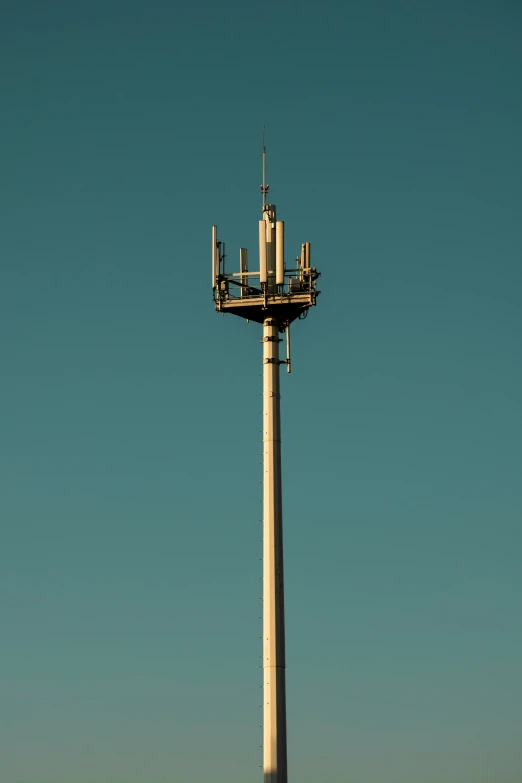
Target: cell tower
275, 297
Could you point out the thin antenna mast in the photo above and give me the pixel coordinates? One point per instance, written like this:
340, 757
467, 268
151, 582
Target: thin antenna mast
264, 186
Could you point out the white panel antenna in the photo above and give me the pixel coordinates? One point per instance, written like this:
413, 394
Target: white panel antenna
280, 252
305, 255
270, 250
262, 251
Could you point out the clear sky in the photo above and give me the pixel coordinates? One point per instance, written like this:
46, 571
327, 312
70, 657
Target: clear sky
129, 571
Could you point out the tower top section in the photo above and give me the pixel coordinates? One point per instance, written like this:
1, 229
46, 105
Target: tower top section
273, 290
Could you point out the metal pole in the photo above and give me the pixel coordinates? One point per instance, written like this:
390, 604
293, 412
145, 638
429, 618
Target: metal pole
264, 168
274, 690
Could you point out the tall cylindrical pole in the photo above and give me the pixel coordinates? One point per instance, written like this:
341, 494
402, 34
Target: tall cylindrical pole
274, 690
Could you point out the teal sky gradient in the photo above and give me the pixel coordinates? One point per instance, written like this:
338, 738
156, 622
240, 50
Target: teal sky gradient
129, 571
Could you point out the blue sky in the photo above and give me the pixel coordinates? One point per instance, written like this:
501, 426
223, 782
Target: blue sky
129, 571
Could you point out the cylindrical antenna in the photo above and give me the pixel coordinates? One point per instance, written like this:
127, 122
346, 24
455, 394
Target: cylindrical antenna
288, 363
262, 251
280, 252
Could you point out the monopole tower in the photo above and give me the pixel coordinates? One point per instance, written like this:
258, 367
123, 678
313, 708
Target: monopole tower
274, 296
